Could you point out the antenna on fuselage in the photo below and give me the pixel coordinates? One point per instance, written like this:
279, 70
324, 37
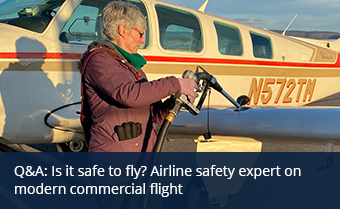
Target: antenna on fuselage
204, 5
284, 32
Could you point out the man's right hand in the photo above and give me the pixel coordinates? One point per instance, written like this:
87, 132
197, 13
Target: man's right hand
189, 88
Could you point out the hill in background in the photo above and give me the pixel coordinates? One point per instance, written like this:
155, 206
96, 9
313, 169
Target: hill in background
312, 34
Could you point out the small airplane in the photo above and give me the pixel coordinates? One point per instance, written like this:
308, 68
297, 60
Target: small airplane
42, 41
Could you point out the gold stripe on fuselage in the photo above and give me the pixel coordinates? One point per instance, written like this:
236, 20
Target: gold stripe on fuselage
45, 65
171, 68
243, 70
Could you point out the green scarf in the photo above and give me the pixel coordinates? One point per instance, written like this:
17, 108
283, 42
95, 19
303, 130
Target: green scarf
137, 60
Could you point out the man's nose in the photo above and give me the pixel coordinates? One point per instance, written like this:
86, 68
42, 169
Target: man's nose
142, 40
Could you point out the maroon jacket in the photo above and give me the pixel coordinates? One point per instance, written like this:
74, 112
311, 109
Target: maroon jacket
116, 93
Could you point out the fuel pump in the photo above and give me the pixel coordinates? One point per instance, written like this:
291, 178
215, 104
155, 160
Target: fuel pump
205, 81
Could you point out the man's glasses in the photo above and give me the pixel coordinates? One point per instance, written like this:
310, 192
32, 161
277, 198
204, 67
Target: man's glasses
141, 33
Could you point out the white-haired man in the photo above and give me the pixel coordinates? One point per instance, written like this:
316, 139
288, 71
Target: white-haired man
121, 104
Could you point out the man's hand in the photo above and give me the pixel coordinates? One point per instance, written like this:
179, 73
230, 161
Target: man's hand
189, 88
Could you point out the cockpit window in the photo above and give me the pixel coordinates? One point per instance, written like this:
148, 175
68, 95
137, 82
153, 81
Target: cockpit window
31, 15
85, 24
178, 30
229, 39
262, 46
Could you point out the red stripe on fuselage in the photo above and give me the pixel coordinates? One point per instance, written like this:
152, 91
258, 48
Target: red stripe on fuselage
243, 62
35, 55
39, 55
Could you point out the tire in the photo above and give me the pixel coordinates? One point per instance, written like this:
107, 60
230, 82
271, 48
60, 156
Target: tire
72, 146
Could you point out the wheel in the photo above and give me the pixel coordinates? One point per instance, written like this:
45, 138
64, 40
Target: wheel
73, 146
197, 197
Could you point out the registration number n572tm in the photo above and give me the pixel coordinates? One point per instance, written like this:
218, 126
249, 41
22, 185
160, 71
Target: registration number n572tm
289, 90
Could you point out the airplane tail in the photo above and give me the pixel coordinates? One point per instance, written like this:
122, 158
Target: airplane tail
330, 44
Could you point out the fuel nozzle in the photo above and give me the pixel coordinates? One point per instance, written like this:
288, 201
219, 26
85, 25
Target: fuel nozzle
182, 100
211, 81
189, 74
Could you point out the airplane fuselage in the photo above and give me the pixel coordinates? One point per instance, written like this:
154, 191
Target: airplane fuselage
40, 81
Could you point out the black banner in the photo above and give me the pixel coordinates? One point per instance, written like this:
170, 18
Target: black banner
169, 180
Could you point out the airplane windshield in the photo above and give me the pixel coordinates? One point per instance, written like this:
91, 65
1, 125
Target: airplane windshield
85, 24
34, 15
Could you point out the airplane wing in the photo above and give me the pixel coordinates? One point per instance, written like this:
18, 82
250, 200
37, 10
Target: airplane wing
265, 123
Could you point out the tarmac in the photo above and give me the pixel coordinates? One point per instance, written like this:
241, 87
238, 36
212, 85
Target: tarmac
181, 144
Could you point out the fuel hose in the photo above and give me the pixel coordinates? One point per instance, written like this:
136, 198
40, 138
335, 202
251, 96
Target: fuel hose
163, 131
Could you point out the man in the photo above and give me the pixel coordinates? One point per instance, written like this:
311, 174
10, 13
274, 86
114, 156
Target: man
123, 106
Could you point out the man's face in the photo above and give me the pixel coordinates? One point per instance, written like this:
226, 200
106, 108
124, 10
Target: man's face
134, 39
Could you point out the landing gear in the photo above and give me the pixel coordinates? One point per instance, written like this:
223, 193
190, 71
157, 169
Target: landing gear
73, 146
197, 197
